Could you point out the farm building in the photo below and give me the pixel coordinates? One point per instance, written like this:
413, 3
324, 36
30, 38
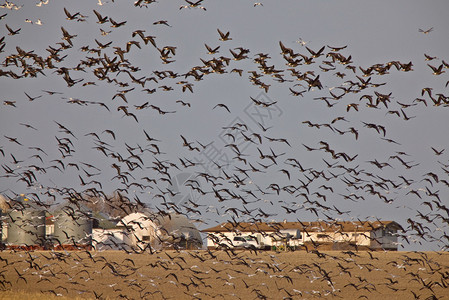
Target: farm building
104, 233
72, 226
115, 238
337, 235
161, 232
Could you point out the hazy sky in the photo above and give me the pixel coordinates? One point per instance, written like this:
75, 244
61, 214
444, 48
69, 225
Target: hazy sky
372, 32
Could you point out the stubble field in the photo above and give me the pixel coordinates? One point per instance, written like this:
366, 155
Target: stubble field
220, 274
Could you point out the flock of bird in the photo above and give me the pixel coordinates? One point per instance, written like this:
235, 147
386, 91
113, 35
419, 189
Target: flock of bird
321, 179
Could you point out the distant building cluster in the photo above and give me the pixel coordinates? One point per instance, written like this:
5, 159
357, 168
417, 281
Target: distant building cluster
72, 226
336, 235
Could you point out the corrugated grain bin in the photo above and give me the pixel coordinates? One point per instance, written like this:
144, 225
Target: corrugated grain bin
72, 225
26, 223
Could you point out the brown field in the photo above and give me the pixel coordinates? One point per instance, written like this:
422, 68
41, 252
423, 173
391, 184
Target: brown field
218, 274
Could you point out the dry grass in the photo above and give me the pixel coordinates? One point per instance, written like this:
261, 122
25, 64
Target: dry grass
21, 295
245, 275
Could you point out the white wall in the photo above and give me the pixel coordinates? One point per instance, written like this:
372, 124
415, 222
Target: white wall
49, 230
110, 239
140, 231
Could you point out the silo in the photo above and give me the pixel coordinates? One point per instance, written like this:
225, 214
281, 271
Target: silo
72, 226
26, 224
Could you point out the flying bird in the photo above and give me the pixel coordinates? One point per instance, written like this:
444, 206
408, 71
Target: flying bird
222, 105
427, 31
211, 50
437, 152
101, 19
162, 22
12, 31
224, 36
70, 16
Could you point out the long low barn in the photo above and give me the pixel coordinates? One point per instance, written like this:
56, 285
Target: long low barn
341, 235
